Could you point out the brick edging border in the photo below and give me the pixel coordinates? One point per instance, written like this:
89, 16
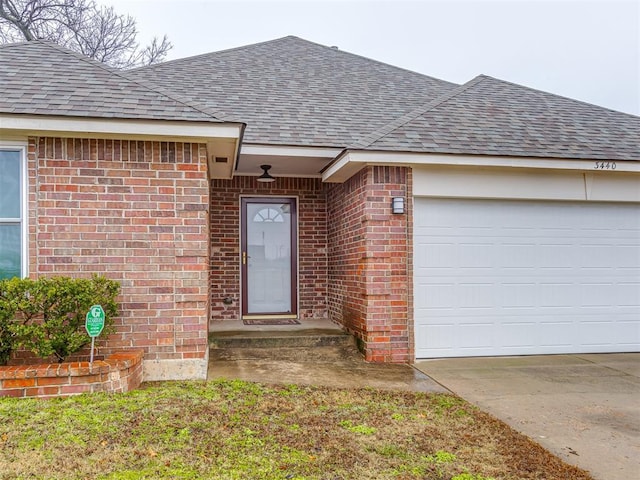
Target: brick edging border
119, 372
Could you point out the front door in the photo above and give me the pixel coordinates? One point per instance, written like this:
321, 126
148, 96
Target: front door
269, 254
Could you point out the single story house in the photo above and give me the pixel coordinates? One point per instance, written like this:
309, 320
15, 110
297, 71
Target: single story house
288, 179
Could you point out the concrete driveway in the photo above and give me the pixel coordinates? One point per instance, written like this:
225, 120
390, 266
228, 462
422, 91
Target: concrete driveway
583, 408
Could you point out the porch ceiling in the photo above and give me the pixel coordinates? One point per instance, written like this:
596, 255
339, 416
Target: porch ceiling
285, 161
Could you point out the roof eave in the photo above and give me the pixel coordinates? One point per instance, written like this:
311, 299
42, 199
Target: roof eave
223, 139
134, 129
349, 162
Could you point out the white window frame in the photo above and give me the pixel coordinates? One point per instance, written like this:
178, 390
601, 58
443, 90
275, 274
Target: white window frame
24, 197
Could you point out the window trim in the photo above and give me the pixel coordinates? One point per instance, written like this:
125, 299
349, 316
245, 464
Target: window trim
24, 198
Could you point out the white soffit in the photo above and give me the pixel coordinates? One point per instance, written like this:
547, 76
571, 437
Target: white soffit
351, 162
290, 151
286, 161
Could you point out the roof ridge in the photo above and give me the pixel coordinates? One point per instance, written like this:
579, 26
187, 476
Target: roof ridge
191, 57
557, 95
217, 115
376, 135
332, 49
122, 74
79, 56
15, 44
379, 62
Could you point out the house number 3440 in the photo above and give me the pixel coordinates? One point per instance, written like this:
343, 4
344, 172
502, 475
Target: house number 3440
605, 166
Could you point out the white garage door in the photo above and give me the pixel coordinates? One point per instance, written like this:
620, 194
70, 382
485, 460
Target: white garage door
521, 277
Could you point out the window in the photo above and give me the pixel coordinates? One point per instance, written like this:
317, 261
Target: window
12, 217
269, 214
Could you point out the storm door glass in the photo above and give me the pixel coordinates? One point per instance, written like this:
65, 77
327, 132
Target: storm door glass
269, 257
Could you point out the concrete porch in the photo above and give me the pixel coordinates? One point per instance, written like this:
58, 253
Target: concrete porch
316, 352
233, 340
231, 327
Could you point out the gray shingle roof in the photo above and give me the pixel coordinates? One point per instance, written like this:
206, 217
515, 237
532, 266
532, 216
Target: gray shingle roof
42, 78
488, 116
294, 92
291, 91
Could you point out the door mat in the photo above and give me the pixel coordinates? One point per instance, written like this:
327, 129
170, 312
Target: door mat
272, 321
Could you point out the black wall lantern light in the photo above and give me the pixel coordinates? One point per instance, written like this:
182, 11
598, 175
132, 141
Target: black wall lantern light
266, 177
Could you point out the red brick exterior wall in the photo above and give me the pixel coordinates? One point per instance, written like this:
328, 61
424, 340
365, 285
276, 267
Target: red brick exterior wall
136, 212
370, 262
141, 213
346, 207
225, 243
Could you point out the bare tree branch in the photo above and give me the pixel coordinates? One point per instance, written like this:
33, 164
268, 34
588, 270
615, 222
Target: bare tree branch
83, 26
155, 51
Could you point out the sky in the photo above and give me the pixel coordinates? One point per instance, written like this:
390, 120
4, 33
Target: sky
586, 50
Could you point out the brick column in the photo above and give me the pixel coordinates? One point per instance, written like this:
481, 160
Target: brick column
370, 262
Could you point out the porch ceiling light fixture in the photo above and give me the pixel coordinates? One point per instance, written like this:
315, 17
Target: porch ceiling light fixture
266, 177
397, 205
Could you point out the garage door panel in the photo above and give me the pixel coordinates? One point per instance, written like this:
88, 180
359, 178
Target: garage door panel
599, 256
447, 256
554, 256
628, 295
627, 332
555, 295
599, 333
597, 295
520, 295
506, 278
440, 297
516, 335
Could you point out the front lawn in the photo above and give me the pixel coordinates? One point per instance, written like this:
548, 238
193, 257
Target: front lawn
241, 430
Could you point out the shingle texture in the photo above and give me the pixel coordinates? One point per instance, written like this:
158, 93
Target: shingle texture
487, 116
293, 92
43, 78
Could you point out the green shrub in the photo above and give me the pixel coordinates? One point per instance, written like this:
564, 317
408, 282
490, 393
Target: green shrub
7, 337
47, 316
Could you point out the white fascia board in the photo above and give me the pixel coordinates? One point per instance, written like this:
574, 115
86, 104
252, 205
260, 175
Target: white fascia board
82, 127
289, 151
349, 163
342, 168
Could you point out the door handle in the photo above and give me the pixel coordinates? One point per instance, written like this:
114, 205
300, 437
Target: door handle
244, 258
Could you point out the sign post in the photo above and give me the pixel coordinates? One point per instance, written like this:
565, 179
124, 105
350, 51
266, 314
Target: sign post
94, 325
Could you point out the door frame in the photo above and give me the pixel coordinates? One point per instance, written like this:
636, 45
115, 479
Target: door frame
293, 202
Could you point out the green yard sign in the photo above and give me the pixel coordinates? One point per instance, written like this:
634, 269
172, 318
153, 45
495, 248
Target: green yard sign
94, 325
95, 321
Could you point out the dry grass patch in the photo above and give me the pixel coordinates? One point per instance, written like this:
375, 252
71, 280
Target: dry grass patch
241, 430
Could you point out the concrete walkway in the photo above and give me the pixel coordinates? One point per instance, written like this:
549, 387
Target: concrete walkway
583, 408
333, 366
340, 367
